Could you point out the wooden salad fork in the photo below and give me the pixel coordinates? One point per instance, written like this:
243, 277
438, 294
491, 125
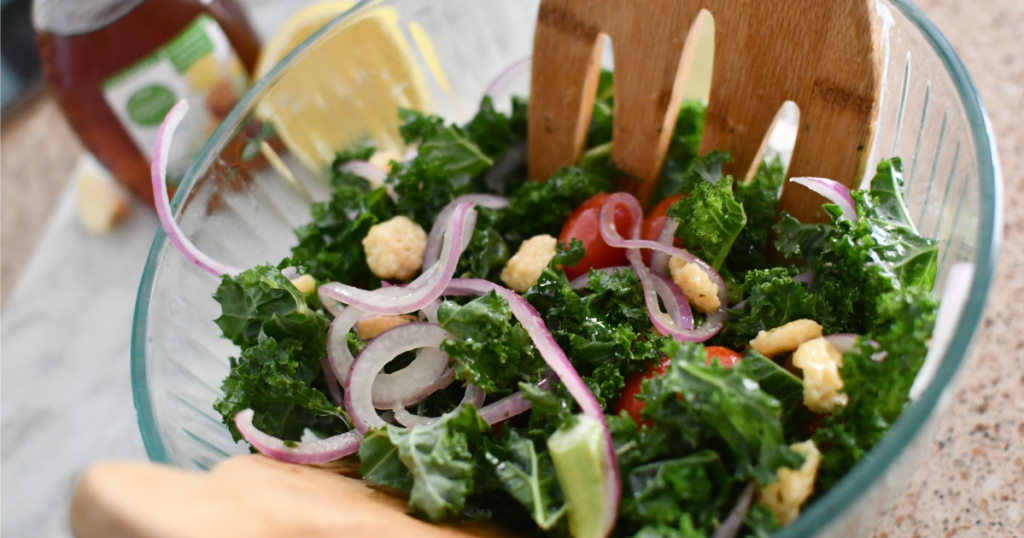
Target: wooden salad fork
823, 55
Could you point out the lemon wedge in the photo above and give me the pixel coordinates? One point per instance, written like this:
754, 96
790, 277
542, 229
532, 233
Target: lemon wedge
347, 86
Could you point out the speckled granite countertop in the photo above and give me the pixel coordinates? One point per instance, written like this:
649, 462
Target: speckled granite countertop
972, 482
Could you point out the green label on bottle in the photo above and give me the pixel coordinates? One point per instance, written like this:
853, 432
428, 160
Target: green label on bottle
198, 64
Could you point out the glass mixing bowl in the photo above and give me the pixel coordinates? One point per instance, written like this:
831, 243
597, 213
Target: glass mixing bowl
246, 192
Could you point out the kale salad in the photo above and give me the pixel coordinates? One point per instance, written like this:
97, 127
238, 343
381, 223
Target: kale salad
551, 357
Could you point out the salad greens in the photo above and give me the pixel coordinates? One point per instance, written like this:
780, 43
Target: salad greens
706, 433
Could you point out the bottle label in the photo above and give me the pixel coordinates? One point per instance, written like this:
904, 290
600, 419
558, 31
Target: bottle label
198, 65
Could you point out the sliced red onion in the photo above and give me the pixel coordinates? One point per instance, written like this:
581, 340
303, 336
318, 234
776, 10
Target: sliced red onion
162, 201
659, 259
473, 396
715, 320
411, 154
322, 451
420, 292
505, 76
511, 405
836, 192
426, 374
560, 365
732, 524
433, 250
332, 381
366, 170
337, 342
380, 351
807, 278
675, 302
739, 305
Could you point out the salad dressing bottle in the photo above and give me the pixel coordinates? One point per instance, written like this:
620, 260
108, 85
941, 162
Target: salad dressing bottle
117, 67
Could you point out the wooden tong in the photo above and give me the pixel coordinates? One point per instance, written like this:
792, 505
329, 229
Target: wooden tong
823, 55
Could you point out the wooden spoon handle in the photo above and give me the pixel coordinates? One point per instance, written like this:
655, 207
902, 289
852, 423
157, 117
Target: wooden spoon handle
244, 497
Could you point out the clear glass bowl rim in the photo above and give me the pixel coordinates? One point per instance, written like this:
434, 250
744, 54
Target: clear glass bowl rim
817, 516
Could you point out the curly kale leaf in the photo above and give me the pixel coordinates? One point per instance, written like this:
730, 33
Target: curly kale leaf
440, 468
717, 406
488, 349
877, 390
262, 301
330, 246
487, 252
662, 493
276, 381
542, 207
710, 218
603, 329
856, 263
759, 198
515, 464
683, 149
773, 299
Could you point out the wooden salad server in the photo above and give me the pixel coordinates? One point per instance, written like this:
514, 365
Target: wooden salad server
247, 497
823, 55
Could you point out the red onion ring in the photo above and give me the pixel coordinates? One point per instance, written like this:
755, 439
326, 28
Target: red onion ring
659, 259
715, 320
332, 381
366, 170
836, 192
426, 374
380, 351
337, 342
732, 524
676, 303
511, 405
560, 365
420, 292
158, 172
807, 278
510, 72
321, 451
433, 251
473, 396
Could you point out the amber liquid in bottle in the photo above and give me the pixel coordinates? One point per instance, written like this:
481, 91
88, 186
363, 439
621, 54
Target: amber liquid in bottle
77, 65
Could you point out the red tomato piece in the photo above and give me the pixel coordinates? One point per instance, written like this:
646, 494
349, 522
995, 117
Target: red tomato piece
655, 221
627, 398
585, 224
726, 357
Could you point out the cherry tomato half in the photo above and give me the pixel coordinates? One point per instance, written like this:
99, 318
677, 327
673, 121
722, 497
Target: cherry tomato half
627, 398
585, 224
655, 221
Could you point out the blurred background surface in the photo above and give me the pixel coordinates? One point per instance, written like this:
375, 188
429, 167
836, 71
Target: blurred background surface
66, 392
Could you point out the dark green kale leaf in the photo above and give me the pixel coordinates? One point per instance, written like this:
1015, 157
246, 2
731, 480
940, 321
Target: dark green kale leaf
262, 301
491, 130
856, 263
759, 198
600, 130
360, 151
487, 252
659, 494
276, 381
719, 407
438, 459
683, 149
330, 246
488, 348
424, 187
542, 207
710, 218
516, 465
773, 299
877, 390
912, 259
603, 329
775, 380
